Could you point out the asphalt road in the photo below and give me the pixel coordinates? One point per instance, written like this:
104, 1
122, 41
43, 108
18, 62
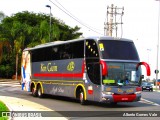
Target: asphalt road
150, 102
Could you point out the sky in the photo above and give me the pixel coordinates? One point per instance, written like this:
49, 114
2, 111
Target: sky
140, 20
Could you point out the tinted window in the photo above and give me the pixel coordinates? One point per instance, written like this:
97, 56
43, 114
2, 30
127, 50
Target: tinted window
91, 49
114, 49
59, 52
148, 83
92, 61
78, 49
145, 84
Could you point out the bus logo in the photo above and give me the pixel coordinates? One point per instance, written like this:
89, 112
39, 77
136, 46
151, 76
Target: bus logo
71, 66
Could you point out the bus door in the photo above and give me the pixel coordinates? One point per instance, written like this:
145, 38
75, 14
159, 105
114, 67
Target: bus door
93, 70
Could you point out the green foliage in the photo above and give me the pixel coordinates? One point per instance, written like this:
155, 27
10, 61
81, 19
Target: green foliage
7, 67
3, 107
26, 29
2, 16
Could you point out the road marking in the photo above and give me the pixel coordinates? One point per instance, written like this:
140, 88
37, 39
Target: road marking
148, 102
9, 83
13, 85
9, 86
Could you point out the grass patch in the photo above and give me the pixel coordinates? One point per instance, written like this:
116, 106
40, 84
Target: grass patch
3, 108
156, 89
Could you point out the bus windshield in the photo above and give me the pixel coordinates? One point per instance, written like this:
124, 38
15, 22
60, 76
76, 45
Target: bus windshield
117, 49
121, 73
121, 58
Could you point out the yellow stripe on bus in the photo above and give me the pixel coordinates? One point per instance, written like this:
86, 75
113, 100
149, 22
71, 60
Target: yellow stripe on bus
84, 90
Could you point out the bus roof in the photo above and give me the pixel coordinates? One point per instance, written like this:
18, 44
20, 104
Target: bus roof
108, 38
74, 40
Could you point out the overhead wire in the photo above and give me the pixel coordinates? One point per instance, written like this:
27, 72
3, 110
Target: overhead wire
72, 16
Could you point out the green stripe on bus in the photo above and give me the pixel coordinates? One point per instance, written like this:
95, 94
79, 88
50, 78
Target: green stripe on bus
108, 81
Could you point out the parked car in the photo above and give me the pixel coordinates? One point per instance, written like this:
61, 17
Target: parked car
152, 83
147, 86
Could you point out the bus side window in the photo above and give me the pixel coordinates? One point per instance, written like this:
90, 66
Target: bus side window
92, 61
66, 55
78, 49
66, 51
55, 53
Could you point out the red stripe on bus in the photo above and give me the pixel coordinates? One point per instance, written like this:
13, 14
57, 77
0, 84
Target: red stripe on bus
58, 75
77, 75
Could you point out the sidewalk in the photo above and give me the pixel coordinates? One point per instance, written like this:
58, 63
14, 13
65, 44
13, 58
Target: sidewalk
154, 88
17, 104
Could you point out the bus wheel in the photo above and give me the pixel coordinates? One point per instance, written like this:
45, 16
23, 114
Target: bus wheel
81, 98
39, 92
34, 91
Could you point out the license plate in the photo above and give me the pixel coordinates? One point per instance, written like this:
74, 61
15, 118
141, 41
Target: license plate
147, 88
124, 98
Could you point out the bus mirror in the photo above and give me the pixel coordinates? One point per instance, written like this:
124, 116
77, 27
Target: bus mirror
147, 67
104, 68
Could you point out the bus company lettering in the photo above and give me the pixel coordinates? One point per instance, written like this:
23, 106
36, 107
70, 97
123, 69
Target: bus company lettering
108, 89
49, 67
125, 91
120, 90
71, 66
57, 90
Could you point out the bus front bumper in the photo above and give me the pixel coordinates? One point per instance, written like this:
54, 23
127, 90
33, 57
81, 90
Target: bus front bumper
121, 97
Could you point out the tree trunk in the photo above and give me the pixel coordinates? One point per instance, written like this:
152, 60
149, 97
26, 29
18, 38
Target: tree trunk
16, 65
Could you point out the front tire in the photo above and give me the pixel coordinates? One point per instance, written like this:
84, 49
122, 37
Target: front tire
81, 98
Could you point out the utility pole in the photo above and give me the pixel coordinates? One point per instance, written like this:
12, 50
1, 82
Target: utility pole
111, 26
49, 23
157, 63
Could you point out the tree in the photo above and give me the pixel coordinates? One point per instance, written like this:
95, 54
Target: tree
44, 31
27, 29
17, 32
2, 45
2, 16
2, 42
